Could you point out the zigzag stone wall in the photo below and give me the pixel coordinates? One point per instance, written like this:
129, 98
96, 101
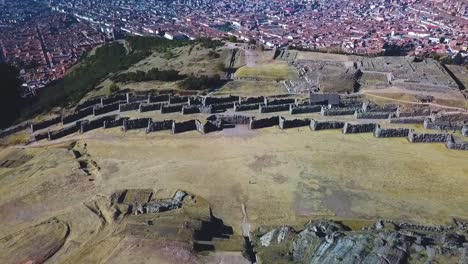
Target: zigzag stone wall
129, 107
231, 119
442, 125
187, 110
52, 135
88, 103
452, 144
121, 98
426, 137
158, 98
154, 126
358, 128
321, 125
264, 122
209, 126
303, 109
150, 107
46, 123
219, 100
115, 123
246, 107
284, 124
100, 110
77, 115
336, 111
180, 127
178, 100
171, 108
195, 101
252, 100
221, 107
283, 101
372, 115
390, 132
136, 123
407, 120
273, 108
95, 124
133, 98
39, 136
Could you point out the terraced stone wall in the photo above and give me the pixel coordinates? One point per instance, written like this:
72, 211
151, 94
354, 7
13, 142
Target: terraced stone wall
442, 125
285, 124
64, 131
180, 127
171, 108
426, 137
303, 109
252, 100
322, 125
158, 98
408, 120
133, 98
88, 103
136, 123
77, 115
219, 100
246, 107
465, 130
178, 100
283, 101
129, 107
187, 110
273, 108
115, 123
100, 110
390, 132
150, 107
95, 124
336, 111
358, 128
46, 123
372, 115
154, 126
121, 98
452, 144
263, 122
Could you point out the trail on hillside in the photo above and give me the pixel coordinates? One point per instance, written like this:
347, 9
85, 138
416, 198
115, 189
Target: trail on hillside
418, 103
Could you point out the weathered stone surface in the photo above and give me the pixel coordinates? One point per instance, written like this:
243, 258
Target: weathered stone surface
209, 126
284, 124
88, 103
192, 109
115, 123
336, 111
39, 136
321, 125
178, 99
426, 137
154, 126
247, 107
180, 127
129, 106
94, 124
372, 115
14, 129
162, 205
231, 119
442, 124
390, 132
372, 107
113, 99
358, 128
216, 108
408, 120
46, 123
195, 100
136, 123
456, 144
158, 98
171, 108
465, 130
133, 98
264, 122
146, 107
279, 101
77, 115
100, 110
303, 109
209, 100
252, 100
64, 131
273, 108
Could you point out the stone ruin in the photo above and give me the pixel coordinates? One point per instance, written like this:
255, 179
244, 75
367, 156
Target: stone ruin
209, 126
189, 109
465, 130
304, 109
158, 98
263, 122
358, 128
138, 123
231, 119
178, 100
372, 115
162, 205
171, 108
129, 106
252, 100
452, 143
284, 124
195, 100
115, 123
180, 127
216, 108
247, 107
52, 135
95, 124
426, 137
100, 110
442, 124
280, 101
390, 132
39, 136
146, 107
133, 98
322, 125
273, 108
154, 126
408, 120
46, 123
77, 115
88, 103
118, 98
336, 111
219, 100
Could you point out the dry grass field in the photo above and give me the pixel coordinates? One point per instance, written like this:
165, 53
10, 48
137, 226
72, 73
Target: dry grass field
251, 88
268, 72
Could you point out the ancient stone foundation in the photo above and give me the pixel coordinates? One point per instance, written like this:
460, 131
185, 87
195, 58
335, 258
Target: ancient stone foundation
171, 108
95, 124
273, 108
303, 109
154, 126
407, 120
358, 128
390, 132
133, 98
264, 122
322, 125
180, 127
216, 108
336, 111
52, 135
39, 136
283, 101
150, 107
115, 123
465, 130
187, 110
246, 107
209, 126
158, 98
100, 110
195, 101
120, 98
178, 100
426, 137
230, 119
77, 115
252, 100
442, 124
129, 107
46, 123
453, 144
372, 115
14, 129
219, 100
366, 107
284, 124
136, 123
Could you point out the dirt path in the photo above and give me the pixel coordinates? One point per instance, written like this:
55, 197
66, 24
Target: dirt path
418, 103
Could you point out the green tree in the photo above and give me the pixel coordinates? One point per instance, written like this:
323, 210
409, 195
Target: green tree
220, 67
113, 88
10, 99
